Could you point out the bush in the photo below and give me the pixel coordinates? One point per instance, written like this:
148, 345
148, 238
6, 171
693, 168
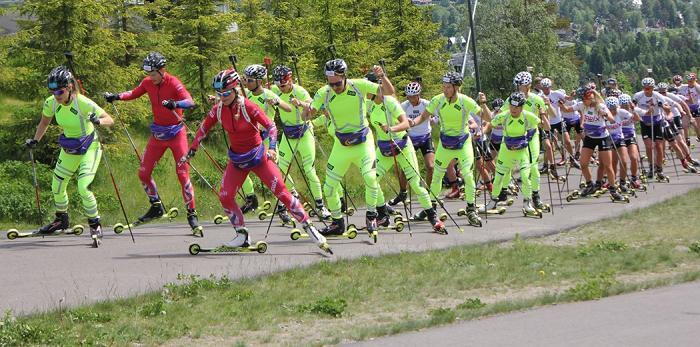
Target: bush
334, 307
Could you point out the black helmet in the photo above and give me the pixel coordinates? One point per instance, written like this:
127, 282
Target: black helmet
453, 78
517, 99
226, 79
336, 66
281, 73
256, 71
497, 103
153, 62
581, 92
370, 76
59, 77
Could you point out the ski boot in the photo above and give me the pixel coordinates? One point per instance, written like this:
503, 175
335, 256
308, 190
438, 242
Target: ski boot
553, 174
401, 197
625, 189
660, 177
472, 216
587, 190
321, 209
284, 216
251, 204
421, 216
239, 244
615, 196
336, 229
455, 193
154, 212
310, 229
344, 207
372, 228
538, 204
693, 162
544, 169
491, 208
438, 226
599, 190
59, 224
687, 168
384, 219
636, 184
530, 211
95, 231
192, 220
574, 163
648, 175
504, 200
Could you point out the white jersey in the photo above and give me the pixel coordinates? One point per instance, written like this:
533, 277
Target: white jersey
574, 116
692, 94
616, 129
594, 120
650, 102
413, 112
555, 98
627, 123
675, 102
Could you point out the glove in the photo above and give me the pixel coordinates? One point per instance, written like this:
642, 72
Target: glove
31, 143
169, 104
110, 97
190, 153
94, 119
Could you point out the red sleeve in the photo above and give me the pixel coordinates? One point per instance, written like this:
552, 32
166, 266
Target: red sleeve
136, 92
208, 122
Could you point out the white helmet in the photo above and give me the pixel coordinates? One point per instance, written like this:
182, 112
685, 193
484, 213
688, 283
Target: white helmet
413, 88
612, 102
625, 99
522, 78
648, 82
546, 83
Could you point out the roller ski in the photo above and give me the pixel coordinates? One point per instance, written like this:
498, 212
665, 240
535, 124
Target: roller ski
371, 225
335, 230
553, 174
587, 191
197, 229
687, 168
636, 185
309, 229
616, 197
60, 226
491, 208
438, 225
284, 217
538, 204
95, 231
240, 244
530, 211
625, 189
660, 177
155, 212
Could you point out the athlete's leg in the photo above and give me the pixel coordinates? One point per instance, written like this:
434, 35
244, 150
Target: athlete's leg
151, 154
178, 146
272, 178
339, 161
230, 184
86, 174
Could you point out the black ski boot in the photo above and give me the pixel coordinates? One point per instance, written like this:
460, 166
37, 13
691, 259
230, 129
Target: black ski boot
438, 226
155, 211
192, 220
372, 228
660, 177
58, 224
284, 216
337, 227
383, 216
401, 197
421, 216
589, 189
95, 231
615, 196
251, 203
538, 204
544, 169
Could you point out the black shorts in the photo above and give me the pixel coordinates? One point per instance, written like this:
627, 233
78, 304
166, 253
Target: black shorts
603, 144
678, 123
495, 146
426, 147
619, 144
576, 126
646, 131
545, 135
694, 112
670, 132
481, 147
557, 128
631, 141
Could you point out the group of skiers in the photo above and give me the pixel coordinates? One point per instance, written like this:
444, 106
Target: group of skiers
477, 138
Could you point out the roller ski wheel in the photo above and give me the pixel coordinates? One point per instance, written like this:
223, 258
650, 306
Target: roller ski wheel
582, 185
443, 217
532, 214
575, 195
544, 208
266, 205
350, 211
558, 178
498, 210
623, 199
507, 202
76, 230
262, 215
218, 219
173, 212
260, 247
398, 218
662, 179
198, 232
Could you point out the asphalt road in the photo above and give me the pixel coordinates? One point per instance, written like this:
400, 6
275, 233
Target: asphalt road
42, 274
661, 317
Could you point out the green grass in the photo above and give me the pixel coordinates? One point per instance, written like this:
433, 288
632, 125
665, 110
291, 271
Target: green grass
374, 296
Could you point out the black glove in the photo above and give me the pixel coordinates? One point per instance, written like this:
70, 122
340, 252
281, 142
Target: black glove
94, 119
110, 97
190, 153
31, 143
169, 104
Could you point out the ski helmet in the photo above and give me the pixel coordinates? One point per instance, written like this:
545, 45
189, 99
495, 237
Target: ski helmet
256, 71
413, 88
281, 73
546, 83
625, 99
336, 67
226, 79
691, 76
59, 77
517, 99
523, 78
453, 78
153, 61
612, 102
497, 103
648, 82
662, 86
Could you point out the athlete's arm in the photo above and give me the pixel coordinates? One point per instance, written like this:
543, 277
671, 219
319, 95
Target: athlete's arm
203, 130
485, 111
401, 125
387, 87
258, 116
134, 93
106, 120
41, 128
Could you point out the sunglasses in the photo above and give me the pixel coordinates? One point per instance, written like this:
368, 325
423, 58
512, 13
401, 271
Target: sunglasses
335, 84
57, 92
280, 84
224, 94
251, 80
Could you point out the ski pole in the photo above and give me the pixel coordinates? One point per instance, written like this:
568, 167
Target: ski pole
393, 152
308, 186
268, 63
342, 185
295, 59
35, 182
